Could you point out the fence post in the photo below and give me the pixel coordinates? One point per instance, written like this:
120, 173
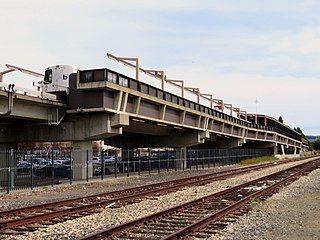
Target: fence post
52, 168
102, 165
128, 162
9, 172
190, 160
159, 161
203, 158
176, 162
167, 153
197, 160
214, 158
139, 162
149, 162
71, 167
183, 165
87, 165
31, 174
116, 157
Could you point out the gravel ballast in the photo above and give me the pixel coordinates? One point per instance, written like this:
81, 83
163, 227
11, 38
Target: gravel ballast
113, 216
291, 214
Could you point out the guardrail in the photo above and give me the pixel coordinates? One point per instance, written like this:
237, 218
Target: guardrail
30, 92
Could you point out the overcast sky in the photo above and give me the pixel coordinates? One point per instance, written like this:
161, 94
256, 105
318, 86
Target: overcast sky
238, 50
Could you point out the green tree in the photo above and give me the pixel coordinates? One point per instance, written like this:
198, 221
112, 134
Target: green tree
316, 144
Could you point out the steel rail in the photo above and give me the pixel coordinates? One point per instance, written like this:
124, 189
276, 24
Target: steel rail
161, 184
227, 210
180, 183
111, 232
65, 212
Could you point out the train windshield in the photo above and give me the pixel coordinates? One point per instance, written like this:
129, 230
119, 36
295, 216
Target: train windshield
48, 76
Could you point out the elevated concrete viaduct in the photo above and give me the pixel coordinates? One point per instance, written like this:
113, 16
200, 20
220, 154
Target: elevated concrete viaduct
132, 114
126, 113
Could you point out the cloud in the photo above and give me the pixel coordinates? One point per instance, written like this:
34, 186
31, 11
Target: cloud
305, 41
236, 49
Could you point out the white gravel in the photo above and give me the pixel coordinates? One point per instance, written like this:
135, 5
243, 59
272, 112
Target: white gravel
112, 216
292, 214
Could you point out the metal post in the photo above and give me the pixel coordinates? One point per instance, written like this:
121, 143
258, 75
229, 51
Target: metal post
52, 169
139, 167
9, 173
128, 162
102, 165
159, 161
190, 160
176, 160
31, 174
183, 163
197, 160
116, 157
87, 165
168, 161
149, 162
203, 159
71, 167
214, 158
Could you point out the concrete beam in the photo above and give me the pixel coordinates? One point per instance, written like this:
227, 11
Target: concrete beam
119, 120
30, 108
174, 139
73, 128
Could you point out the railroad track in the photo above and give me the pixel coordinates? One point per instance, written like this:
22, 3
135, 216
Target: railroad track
19, 221
204, 217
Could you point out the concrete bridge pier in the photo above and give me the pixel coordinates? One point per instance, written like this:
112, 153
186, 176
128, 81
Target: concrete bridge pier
181, 157
82, 160
8, 157
283, 152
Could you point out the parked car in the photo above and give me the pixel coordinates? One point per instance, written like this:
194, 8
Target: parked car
59, 171
23, 167
109, 165
23, 164
42, 161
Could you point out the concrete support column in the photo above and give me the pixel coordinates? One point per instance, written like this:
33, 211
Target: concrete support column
8, 157
275, 150
283, 153
181, 157
82, 160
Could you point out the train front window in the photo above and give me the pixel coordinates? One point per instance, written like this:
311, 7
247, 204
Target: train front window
48, 76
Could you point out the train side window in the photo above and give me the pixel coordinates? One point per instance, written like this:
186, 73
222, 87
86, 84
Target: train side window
112, 77
86, 76
123, 81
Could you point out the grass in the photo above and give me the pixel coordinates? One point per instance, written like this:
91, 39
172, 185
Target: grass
256, 200
258, 160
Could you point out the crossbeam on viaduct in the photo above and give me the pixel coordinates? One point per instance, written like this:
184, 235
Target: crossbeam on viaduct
126, 113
